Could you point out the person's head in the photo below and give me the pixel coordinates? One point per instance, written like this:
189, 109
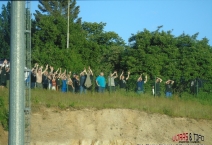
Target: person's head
82, 74
122, 77
46, 73
169, 82
157, 80
77, 77
101, 74
39, 71
33, 71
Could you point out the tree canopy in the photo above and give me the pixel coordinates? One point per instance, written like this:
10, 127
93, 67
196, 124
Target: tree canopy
156, 53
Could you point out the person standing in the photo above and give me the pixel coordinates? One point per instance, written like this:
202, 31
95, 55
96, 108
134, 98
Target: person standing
123, 81
169, 84
156, 87
100, 81
89, 78
3, 74
45, 80
33, 78
39, 74
83, 76
54, 84
73, 79
58, 80
111, 81
64, 83
70, 83
140, 84
8, 77
77, 83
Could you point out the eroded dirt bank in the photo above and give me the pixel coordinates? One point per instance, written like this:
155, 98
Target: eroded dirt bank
110, 127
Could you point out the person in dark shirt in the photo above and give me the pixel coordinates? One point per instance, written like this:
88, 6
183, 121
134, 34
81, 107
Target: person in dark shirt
140, 84
169, 84
70, 83
77, 83
33, 79
123, 81
3, 74
83, 76
8, 77
74, 82
156, 87
45, 80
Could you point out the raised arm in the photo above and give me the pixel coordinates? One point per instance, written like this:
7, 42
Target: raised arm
145, 79
64, 72
121, 75
84, 71
36, 69
139, 78
128, 75
172, 82
160, 80
45, 69
51, 69
115, 73
89, 68
56, 71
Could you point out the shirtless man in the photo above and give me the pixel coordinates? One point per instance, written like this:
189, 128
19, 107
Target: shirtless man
39, 74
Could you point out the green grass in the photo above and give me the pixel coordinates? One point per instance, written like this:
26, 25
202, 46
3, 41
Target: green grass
196, 107
4, 114
187, 106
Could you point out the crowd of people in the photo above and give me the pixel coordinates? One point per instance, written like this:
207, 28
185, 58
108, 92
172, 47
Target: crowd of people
49, 78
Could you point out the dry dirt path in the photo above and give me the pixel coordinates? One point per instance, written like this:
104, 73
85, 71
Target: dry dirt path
111, 127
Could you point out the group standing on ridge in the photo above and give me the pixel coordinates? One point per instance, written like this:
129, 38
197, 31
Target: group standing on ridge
49, 78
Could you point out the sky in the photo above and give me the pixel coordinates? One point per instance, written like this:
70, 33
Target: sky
127, 17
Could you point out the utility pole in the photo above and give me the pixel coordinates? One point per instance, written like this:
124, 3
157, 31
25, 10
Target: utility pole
68, 25
16, 100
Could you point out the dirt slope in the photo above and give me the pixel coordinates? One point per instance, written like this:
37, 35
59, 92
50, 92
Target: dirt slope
111, 127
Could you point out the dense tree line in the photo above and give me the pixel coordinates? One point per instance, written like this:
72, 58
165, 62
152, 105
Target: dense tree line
157, 53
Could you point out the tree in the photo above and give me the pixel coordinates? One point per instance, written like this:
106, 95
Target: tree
159, 53
50, 29
108, 47
5, 31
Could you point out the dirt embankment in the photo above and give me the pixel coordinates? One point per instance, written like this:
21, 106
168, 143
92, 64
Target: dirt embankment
110, 127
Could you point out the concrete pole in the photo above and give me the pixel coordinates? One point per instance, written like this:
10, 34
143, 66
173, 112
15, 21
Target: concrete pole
17, 56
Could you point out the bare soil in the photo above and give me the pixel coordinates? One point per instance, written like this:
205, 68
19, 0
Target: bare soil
109, 127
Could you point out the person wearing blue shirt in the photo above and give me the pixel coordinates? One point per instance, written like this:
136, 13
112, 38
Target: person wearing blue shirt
169, 84
140, 84
100, 81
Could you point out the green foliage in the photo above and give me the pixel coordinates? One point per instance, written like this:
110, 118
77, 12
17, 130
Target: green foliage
159, 53
4, 114
5, 31
61, 105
